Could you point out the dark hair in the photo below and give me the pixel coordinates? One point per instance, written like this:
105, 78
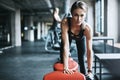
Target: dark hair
79, 4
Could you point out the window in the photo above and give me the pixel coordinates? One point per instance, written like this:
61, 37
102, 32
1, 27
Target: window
99, 9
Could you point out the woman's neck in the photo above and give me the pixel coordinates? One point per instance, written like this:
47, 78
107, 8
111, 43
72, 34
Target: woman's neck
73, 23
75, 29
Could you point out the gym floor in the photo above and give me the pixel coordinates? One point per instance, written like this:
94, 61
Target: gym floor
29, 62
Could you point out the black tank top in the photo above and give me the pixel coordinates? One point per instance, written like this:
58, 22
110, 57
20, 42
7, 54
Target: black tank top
72, 35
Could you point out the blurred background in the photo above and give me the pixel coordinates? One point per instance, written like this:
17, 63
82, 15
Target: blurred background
25, 37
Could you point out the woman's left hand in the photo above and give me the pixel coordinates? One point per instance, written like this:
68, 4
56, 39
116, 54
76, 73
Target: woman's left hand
90, 76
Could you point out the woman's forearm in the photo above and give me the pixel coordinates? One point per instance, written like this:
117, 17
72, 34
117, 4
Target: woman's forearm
89, 59
65, 60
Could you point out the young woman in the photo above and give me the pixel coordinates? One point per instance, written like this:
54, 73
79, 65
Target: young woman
76, 28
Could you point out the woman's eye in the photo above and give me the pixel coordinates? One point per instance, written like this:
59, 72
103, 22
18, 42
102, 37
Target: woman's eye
76, 15
82, 15
79, 15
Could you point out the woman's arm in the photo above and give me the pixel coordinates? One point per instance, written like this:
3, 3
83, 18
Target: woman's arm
88, 34
64, 27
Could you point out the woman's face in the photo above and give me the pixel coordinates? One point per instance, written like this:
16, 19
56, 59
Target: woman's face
78, 16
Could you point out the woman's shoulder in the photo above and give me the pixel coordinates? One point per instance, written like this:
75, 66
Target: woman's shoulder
66, 20
86, 25
87, 29
64, 24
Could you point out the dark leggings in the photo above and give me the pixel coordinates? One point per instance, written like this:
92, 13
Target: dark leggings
81, 49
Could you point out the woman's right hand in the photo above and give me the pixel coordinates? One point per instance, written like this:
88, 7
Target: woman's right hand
68, 71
